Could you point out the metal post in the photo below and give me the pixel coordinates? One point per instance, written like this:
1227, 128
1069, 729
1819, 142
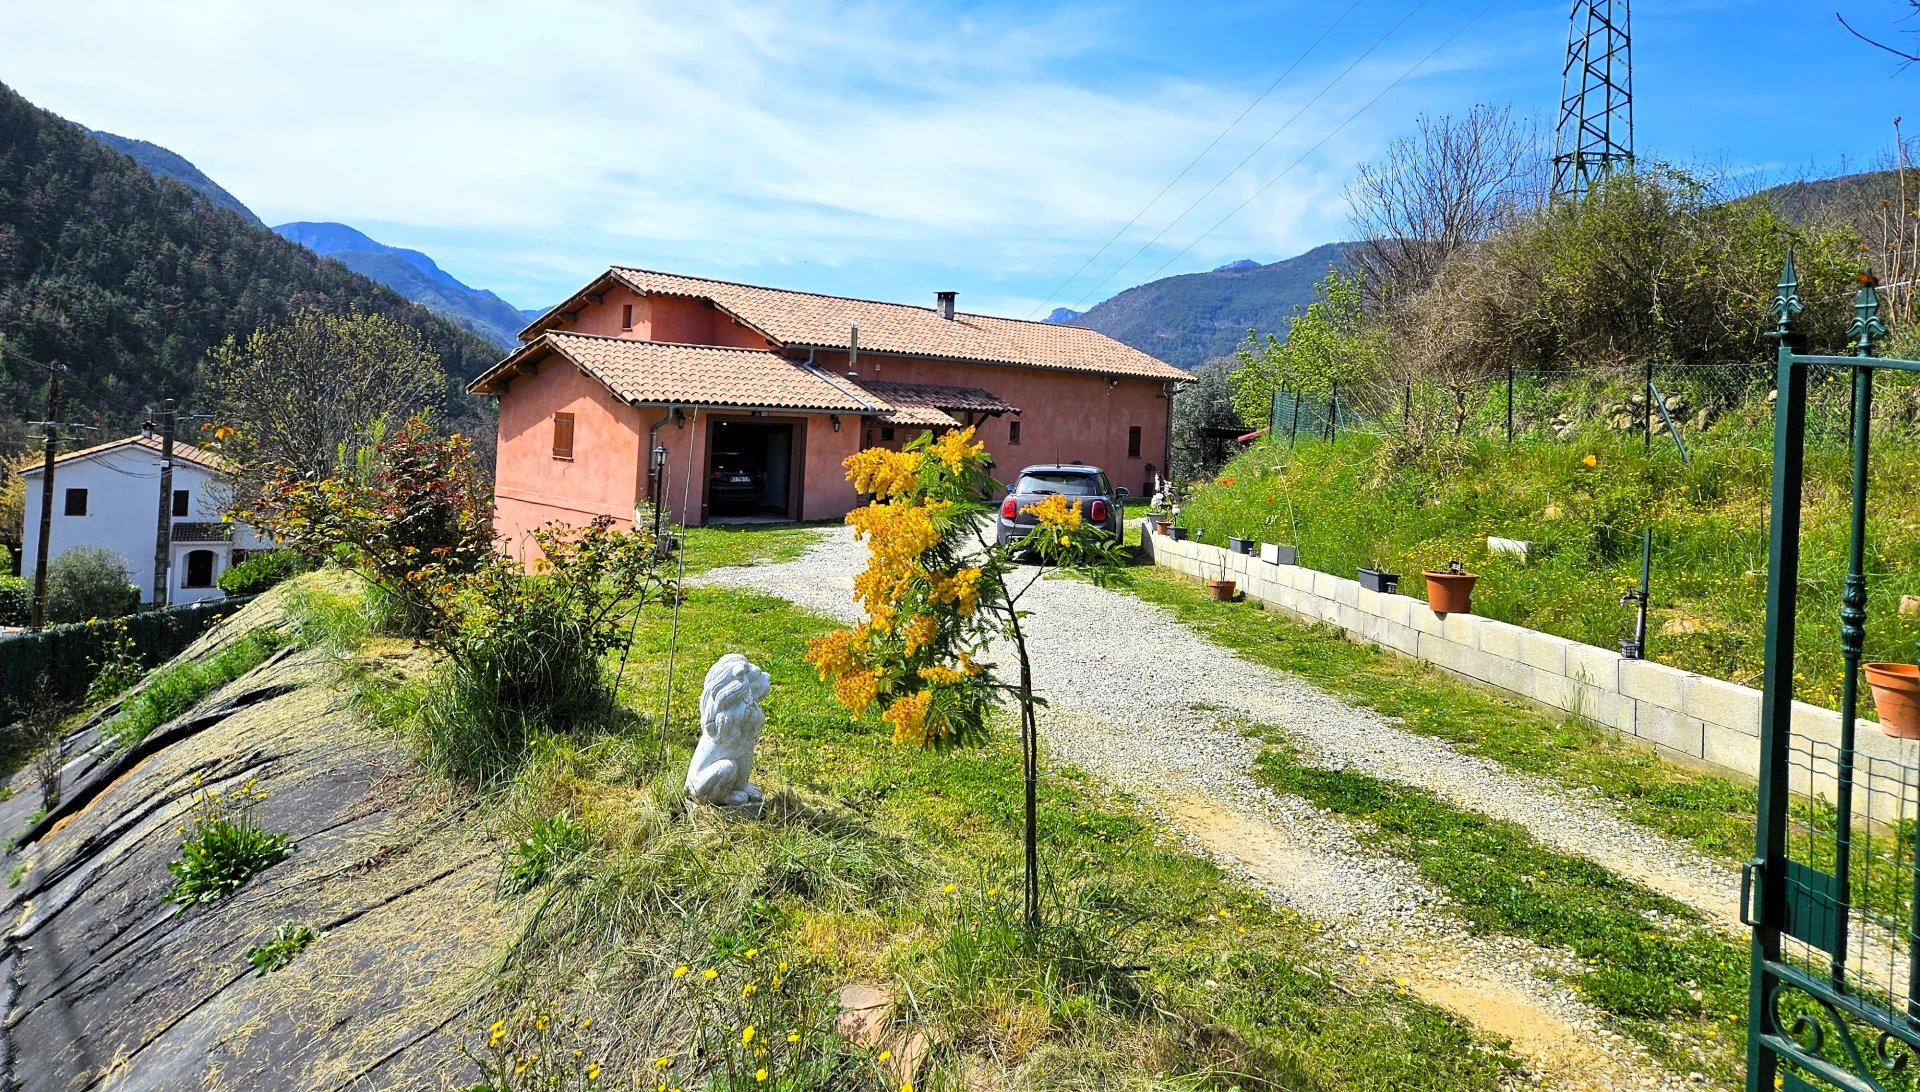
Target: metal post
163, 534
1406, 407
1769, 865
1293, 432
46, 503
1509, 403
1333, 410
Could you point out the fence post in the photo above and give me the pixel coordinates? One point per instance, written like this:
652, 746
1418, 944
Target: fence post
1509, 403
1406, 406
1333, 410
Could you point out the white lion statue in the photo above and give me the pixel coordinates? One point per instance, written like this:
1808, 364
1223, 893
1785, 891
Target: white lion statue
730, 724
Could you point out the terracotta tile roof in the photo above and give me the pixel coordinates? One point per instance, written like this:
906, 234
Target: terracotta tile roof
186, 453
661, 373
807, 320
202, 532
930, 404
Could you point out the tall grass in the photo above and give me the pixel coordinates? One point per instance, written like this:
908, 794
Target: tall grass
179, 686
1582, 503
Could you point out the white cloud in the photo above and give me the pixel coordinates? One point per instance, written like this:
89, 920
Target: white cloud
523, 146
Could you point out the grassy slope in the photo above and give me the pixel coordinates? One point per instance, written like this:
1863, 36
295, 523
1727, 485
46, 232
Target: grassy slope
895, 867
1710, 537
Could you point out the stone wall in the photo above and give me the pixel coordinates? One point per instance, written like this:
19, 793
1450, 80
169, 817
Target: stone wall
1693, 717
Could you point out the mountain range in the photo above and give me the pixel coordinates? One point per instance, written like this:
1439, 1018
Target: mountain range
415, 276
1196, 317
125, 278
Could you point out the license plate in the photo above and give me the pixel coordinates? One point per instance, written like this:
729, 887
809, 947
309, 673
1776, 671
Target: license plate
740, 479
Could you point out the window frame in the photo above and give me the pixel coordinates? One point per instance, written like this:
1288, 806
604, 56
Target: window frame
563, 420
1133, 441
626, 316
67, 506
1013, 434
182, 503
186, 570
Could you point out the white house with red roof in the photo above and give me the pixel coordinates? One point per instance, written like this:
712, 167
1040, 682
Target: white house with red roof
109, 496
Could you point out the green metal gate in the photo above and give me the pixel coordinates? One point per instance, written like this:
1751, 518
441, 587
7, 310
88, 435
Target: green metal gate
1832, 893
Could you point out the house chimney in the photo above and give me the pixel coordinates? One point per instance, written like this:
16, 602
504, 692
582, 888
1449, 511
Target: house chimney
945, 303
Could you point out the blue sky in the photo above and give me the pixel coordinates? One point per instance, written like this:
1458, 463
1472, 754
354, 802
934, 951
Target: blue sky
890, 150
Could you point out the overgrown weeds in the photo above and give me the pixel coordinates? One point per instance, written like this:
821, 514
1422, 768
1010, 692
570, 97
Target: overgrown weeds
179, 686
289, 940
225, 848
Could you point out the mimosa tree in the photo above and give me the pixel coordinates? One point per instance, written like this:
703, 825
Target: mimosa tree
938, 591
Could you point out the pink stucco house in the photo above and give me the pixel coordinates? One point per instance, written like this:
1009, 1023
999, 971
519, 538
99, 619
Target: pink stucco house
728, 400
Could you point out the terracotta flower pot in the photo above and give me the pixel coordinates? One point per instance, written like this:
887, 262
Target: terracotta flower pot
1450, 593
1896, 696
1221, 590
1162, 526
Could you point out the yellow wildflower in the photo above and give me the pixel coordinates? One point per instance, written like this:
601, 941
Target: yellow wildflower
746, 1035
709, 974
1590, 461
760, 1074
593, 1071
750, 953
920, 632
680, 970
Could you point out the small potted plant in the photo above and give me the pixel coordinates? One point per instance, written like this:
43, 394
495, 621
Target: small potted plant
1896, 697
1162, 524
1377, 578
1240, 545
1274, 553
1221, 589
1450, 591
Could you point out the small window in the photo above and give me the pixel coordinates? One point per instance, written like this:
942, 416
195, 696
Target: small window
180, 502
1013, 432
199, 570
1133, 442
626, 316
886, 434
76, 502
239, 556
563, 435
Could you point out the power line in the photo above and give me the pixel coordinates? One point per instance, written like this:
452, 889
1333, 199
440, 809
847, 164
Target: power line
1196, 159
1275, 135
1402, 78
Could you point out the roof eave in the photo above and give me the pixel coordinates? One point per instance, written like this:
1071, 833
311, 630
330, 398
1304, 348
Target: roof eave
1087, 369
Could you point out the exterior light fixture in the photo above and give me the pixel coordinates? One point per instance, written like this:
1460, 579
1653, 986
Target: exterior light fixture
659, 456
679, 417
834, 419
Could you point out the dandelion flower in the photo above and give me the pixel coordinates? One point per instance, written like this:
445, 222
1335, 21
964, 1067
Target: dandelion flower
661, 1062
750, 953
760, 1074
794, 1036
947, 890
746, 1035
783, 966
1590, 461
709, 974
885, 1055
593, 1071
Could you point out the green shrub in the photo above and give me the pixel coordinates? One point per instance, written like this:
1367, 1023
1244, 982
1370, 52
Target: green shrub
260, 572
179, 686
288, 941
16, 601
225, 848
89, 582
540, 856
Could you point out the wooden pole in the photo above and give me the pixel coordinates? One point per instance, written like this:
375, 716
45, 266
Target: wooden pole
46, 503
163, 533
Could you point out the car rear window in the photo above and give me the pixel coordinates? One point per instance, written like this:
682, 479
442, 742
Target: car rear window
1064, 482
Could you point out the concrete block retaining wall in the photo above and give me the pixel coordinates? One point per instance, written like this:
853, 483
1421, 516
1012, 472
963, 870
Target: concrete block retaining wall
1695, 718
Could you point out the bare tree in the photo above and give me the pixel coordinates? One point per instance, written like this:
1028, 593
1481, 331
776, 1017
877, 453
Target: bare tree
1445, 188
1906, 55
295, 396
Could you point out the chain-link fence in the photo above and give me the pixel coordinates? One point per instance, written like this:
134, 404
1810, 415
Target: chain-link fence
1687, 399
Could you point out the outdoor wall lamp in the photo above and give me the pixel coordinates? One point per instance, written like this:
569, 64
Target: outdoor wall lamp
834, 420
1112, 383
679, 417
659, 456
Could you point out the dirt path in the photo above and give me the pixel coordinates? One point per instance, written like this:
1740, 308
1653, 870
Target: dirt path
1139, 700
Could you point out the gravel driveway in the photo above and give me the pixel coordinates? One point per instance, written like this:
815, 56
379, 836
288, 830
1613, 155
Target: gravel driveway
1139, 700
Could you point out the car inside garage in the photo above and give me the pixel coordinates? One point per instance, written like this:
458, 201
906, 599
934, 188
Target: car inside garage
751, 473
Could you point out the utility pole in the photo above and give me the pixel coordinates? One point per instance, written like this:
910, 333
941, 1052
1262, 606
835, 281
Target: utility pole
163, 534
52, 425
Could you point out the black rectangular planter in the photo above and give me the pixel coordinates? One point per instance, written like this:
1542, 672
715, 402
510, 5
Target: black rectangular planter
1240, 545
1379, 580
1178, 534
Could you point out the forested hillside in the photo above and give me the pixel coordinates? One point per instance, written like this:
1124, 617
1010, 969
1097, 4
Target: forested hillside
1196, 317
170, 164
127, 279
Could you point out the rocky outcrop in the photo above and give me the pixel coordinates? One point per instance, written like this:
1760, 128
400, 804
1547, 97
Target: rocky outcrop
107, 984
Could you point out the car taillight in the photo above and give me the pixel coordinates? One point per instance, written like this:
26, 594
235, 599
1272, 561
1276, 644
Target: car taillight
1010, 509
1097, 511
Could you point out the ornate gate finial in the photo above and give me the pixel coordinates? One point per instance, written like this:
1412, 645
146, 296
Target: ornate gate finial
1786, 301
1866, 326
